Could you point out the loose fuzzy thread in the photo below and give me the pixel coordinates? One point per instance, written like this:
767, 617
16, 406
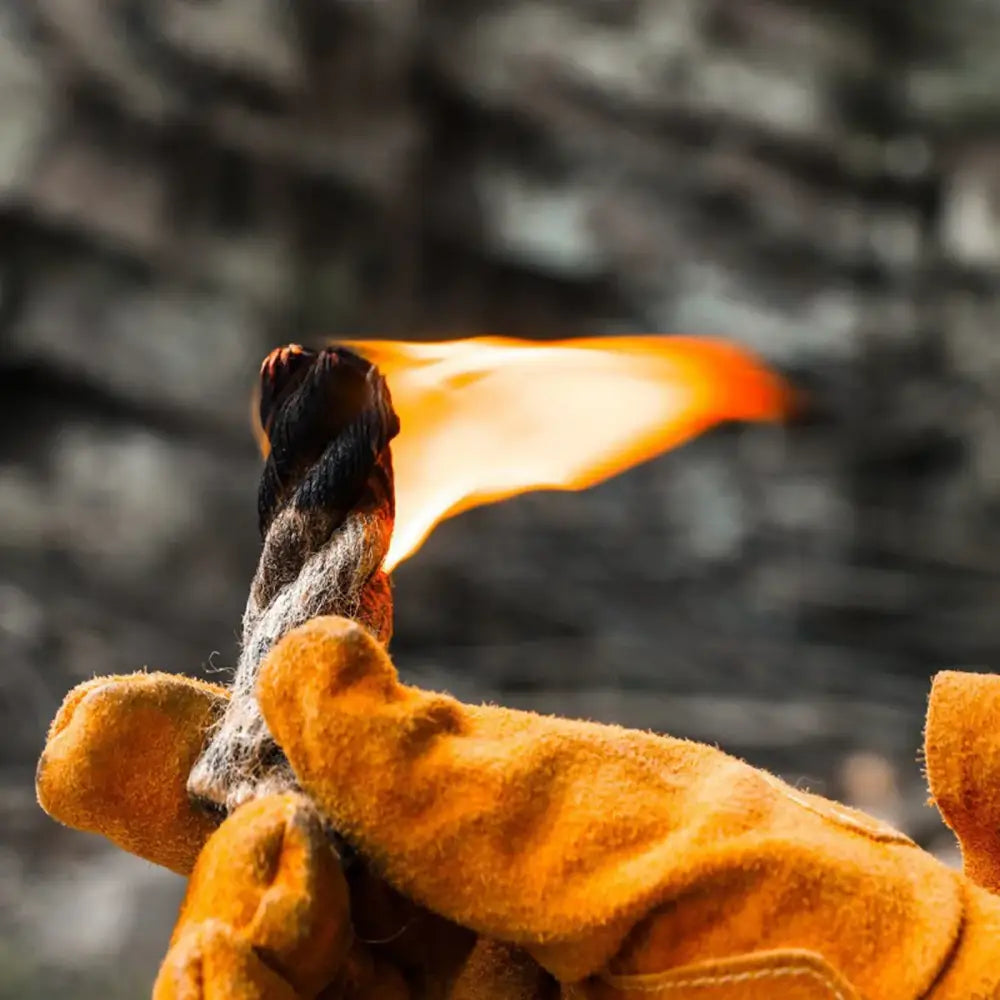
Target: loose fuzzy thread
326, 508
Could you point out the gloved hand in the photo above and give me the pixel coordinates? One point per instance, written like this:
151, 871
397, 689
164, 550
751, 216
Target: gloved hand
508, 855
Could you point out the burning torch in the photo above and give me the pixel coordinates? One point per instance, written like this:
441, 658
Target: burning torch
369, 445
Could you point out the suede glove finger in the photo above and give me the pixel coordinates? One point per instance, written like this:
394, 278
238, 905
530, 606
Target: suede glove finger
117, 760
266, 904
963, 767
212, 962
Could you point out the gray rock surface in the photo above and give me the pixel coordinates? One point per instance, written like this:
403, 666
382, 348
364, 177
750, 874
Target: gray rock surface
183, 186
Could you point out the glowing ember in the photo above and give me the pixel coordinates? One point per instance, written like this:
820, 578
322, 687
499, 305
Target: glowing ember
489, 418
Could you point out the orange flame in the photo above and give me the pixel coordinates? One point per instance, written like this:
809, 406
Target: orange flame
491, 417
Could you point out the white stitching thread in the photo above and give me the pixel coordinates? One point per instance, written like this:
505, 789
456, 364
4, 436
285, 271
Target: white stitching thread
851, 819
621, 982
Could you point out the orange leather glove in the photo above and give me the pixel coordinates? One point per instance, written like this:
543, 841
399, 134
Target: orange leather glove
508, 855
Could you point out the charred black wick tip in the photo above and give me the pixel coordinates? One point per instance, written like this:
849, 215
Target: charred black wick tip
328, 416
280, 374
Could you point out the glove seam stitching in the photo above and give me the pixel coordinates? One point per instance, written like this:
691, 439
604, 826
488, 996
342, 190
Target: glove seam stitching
730, 978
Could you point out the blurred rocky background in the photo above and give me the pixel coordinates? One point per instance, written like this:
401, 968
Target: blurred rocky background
184, 185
